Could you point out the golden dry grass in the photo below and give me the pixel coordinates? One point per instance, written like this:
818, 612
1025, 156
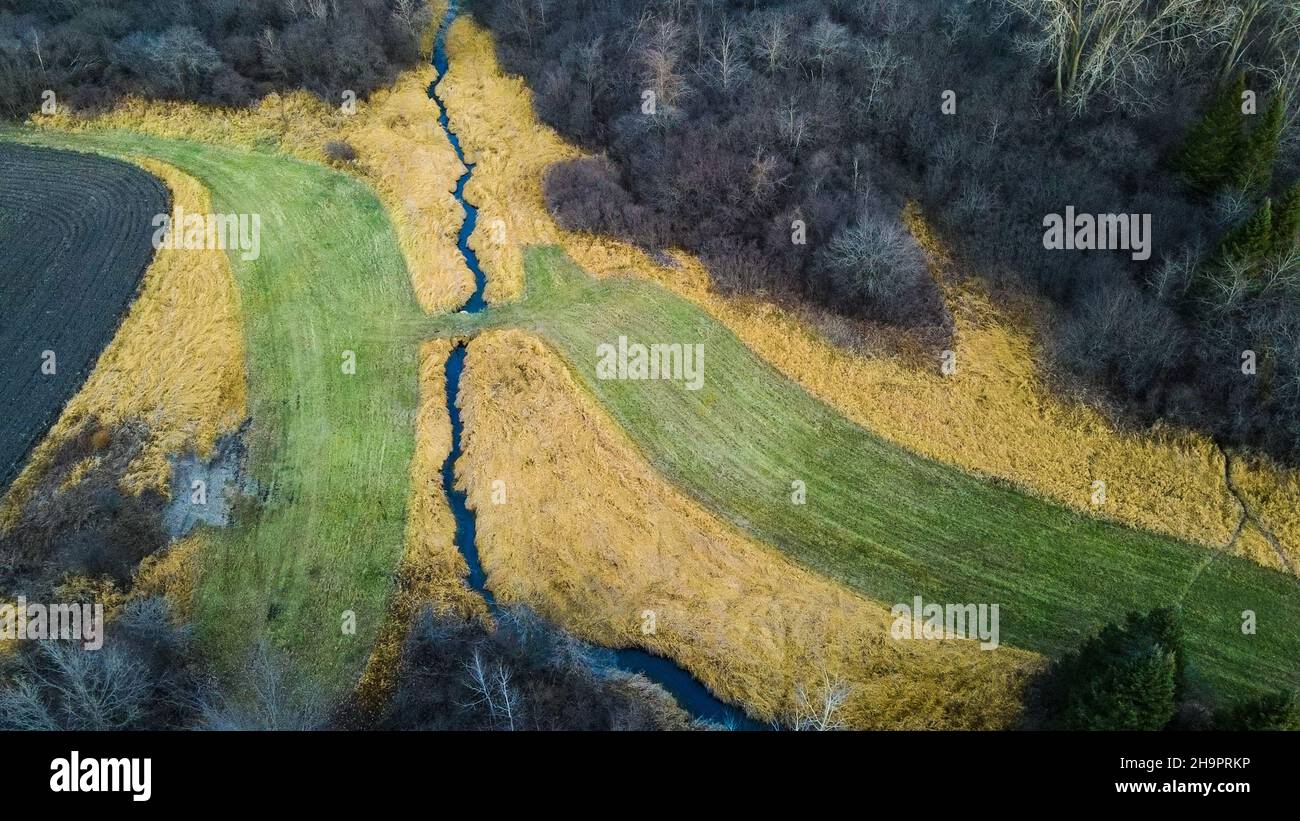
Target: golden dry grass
409, 162
402, 155
437, 10
77, 588
172, 573
1273, 496
592, 536
432, 570
176, 362
492, 114
995, 417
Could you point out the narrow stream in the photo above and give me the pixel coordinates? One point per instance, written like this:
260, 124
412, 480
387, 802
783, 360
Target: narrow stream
693, 696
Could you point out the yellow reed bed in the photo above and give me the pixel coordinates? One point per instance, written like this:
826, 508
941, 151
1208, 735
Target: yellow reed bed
492, 114
573, 521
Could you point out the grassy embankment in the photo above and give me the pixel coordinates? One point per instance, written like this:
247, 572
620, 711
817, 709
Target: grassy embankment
330, 452
885, 522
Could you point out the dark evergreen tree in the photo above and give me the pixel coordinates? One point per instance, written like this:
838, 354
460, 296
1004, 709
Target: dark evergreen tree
1208, 157
1125, 678
1272, 711
1252, 241
1259, 149
1286, 221
1166, 628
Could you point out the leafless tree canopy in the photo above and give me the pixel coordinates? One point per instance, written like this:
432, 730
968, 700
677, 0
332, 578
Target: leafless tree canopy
1116, 48
216, 51
146, 676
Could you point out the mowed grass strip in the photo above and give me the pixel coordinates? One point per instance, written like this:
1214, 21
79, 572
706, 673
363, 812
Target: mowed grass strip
329, 451
888, 523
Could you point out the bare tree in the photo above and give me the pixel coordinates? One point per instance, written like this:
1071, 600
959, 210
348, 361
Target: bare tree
1280, 273
1176, 272
874, 257
1115, 47
1226, 287
265, 699
490, 685
272, 53
1282, 65
770, 41
34, 37
1288, 386
1238, 32
507, 698
479, 682
764, 176
818, 707
276, 63
637, 34
522, 13
955, 23
793, 124
412, 14
60, 686
663, 64
705, 12
896, 16
591, 60
882, 62
827, 41
23, 707
725, 59
1262, 37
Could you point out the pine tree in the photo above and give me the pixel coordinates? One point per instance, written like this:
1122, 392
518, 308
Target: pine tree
1208, 155
1166, 628
1272, 711
1252, 241
1286, 221
1259, 151
1125, 678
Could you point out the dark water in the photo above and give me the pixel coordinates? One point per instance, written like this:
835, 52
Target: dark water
476, 302
693, 696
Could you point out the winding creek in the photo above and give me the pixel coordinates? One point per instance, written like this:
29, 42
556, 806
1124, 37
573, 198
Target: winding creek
693, 696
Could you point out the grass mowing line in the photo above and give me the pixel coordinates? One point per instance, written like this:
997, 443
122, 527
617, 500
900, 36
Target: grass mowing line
890, 524
330, 452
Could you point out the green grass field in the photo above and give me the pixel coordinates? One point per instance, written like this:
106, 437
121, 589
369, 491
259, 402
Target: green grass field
884, 521
328, 451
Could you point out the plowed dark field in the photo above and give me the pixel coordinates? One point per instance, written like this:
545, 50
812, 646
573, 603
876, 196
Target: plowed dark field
75, 233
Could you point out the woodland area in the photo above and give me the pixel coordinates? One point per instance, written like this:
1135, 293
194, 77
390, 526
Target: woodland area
730, 128
226, 52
